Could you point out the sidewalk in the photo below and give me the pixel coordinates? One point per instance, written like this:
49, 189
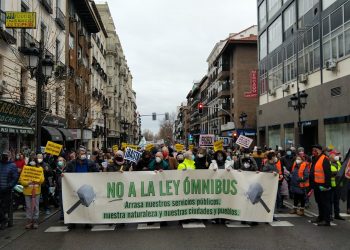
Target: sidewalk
19, 221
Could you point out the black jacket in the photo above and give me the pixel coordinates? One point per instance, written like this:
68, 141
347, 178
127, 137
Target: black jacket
72, 165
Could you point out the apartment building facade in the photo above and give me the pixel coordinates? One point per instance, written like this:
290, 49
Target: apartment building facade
306, 45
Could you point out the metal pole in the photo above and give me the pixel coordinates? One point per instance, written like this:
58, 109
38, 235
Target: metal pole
105, 131
40, 80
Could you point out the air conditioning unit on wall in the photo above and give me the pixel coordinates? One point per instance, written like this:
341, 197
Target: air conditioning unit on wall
303, 78
331, 64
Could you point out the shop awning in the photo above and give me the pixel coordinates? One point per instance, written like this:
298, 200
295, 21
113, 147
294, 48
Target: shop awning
67, 134
53, 133
16, 129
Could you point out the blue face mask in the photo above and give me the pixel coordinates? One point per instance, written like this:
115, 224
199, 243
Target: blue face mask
289, 152
192, 157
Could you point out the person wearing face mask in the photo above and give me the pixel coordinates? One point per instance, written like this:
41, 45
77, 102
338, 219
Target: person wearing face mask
142, 164
246, 162
45, 186
60, 165
169, 158
180, 158
219, 160
336, 190
288, 159
201, 161
299, 184
320, 181
158, 164
20, 162
188, 162
118, 164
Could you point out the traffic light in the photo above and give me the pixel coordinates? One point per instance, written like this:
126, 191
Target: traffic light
167, 116
200, 108
234, 135
154, 116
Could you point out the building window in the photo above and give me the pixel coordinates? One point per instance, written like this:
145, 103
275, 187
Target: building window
327, 3
262, 77
71, 41
289, 16
275, 34
262, 14
305, 6
274, 137
338, 135
273, 6
263, 45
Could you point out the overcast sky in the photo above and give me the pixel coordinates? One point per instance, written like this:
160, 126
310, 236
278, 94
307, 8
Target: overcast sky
167, 42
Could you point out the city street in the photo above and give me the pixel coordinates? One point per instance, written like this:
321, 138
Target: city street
290, 232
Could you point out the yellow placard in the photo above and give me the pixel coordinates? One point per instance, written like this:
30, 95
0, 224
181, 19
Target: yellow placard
190, 147
53, 148
20, 20
149, 147
115, 148
218, 145
31, 174
124, 145
179, 147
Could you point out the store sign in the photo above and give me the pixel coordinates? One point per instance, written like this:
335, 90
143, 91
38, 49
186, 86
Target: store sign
20, 20
11, 113
253, 85
54, 121
16, 130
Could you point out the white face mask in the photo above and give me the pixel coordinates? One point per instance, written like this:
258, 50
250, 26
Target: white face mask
298, 161
246, 165
275, 160
40, 160
32, 163
336, 158
83, 157
158, 159
200, 155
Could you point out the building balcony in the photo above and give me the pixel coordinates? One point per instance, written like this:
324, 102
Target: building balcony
26, 40
60, 17
47, 4
226, 107
225, 90
223, 72
8, 35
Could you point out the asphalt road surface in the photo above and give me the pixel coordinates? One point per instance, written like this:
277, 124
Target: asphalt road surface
290, 232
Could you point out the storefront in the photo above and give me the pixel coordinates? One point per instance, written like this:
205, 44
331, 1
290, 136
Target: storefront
16, 127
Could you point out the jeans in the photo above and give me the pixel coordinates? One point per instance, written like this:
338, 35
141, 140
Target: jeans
32, 213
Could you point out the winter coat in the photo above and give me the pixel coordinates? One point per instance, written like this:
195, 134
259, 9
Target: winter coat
295, 180
8, 176
153, 165
186, 164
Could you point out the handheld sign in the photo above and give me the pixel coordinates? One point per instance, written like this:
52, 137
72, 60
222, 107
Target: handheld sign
244, 141
132, 155
179, 147
149, 147
218, 145
53, 148
190, 147
206, 140
31, 174
134, 147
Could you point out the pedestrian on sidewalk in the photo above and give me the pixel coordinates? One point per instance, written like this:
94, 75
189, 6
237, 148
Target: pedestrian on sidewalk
32, 191
336, 186
320, 181
8, 179
299, 182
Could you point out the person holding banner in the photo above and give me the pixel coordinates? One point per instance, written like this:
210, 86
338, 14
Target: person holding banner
31, 181
169, 159
118, 163
188, 162
202, 160
219, 160
142, 164
158, 163
81, 164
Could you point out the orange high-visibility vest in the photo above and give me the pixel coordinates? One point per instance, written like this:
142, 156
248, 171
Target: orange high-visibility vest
319, 175
303, 166
279, 168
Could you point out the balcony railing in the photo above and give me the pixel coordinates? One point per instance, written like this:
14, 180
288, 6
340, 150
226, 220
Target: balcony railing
8, 35
26, 40
47, 5
60, 17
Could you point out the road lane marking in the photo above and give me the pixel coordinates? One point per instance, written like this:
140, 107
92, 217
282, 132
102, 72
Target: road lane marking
144, 226
281, 224
286, 215
60, 229
99, 228
193, 225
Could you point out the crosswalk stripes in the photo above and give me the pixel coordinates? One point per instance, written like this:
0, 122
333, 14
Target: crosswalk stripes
234, 224
281, 224
144, 226
57, 229
193, 225
98, 228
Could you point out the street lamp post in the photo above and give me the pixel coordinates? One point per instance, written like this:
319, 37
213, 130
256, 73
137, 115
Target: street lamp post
104, 109
125, 126
299, 102
41, 68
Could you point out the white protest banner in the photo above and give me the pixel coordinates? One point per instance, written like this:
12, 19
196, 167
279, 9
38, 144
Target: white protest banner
206, 140
147, 196
132, 155
244, 141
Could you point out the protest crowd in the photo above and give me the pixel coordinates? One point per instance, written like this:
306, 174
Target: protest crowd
300, 175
